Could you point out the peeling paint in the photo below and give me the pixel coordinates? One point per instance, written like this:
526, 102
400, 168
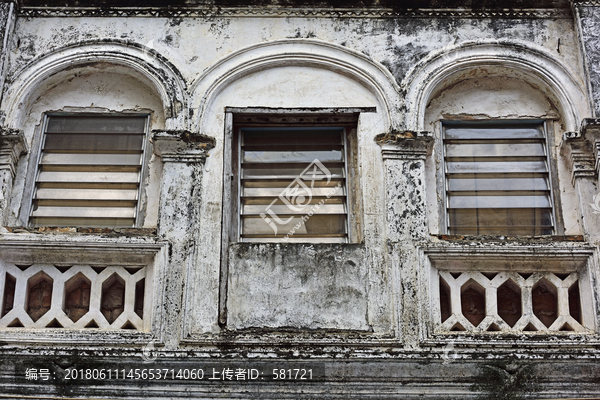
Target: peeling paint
362, 311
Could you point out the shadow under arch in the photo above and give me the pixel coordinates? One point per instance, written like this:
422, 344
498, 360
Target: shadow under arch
143, 61
510, 59
297, 52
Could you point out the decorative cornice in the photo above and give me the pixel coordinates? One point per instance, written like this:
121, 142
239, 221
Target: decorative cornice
181, 146
583, 149
285, 12
12, 146
407, 145
586, 3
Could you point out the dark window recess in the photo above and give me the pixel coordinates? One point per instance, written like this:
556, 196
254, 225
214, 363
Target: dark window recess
445, 307
89, 171
77, 302
9, 294
39, 299
472, 300
113, 298
139, 297
545, 302
575, 302
497, 179
509, 303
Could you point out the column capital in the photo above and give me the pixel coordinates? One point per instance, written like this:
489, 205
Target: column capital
12, 146
583, 149
181, 146
406, 145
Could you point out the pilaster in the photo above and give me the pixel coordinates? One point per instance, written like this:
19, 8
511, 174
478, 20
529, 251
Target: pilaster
404, 156
404, 160
587, 21
582, 150
183, 154
12, 146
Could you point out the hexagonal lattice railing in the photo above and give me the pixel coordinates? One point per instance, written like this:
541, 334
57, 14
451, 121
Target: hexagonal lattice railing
75, 297
513, 302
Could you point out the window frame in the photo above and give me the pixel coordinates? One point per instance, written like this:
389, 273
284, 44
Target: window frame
548, 129
289, 118
238, 168
36, 154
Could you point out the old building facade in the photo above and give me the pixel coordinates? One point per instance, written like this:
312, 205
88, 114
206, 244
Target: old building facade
392, 200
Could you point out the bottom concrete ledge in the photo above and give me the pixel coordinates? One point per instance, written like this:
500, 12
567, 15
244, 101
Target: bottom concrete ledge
143, 377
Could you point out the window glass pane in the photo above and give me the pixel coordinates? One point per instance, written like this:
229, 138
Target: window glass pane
85, 194
517, 231
68, 176
496, 150
97, 143
315, 225
486, 132
265, 137
463, 167
505, 217
474, 183
80, 212
87, 222
499, 201
282, 209
334, 188
258, 156
90, 159
285, 171
69, 124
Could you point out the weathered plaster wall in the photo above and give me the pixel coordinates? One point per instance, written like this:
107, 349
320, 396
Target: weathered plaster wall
369, 303
398, 43
194, 45
288, 87
297, 286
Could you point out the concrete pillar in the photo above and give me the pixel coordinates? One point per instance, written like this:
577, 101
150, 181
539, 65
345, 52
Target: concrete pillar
12, 146
183, 155
404, 162
582, 150
587, 20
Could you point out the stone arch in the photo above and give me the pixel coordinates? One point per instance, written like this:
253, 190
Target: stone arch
143, 62
539, 69
298, 52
